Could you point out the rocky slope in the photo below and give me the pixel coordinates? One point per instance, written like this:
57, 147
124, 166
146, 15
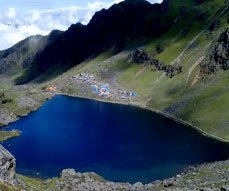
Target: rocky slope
128, 22
167, 75
218, 58
206, 177
7, 167
212, 176
181, 36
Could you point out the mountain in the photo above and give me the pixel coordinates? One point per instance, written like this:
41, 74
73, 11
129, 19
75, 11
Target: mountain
24, 50
22, 55
115, 27
173, 55
108, 28
129, 22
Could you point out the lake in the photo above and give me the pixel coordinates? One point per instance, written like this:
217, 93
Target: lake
120, 143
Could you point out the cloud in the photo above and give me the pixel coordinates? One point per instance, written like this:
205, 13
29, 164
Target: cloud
155, 1
11, 13
15, 27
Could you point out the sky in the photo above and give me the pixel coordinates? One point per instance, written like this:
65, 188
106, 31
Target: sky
22, 18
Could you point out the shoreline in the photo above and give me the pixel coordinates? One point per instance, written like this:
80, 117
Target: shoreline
155, 111
174, 180
213, 174
126, 104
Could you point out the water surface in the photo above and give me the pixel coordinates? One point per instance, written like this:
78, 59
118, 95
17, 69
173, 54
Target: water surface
120, 143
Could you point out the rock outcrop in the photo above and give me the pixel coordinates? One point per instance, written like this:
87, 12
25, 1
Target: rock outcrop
206, 177
140, 57
218, 58
69, 180
7, 167
211, 177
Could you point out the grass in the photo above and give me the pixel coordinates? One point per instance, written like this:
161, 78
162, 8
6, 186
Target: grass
204, 104
4, 135
8, 101
7, 187
31, 182
200, 104
36, 184
209, 105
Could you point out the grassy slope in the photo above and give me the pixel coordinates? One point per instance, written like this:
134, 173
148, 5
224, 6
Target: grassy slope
206, 103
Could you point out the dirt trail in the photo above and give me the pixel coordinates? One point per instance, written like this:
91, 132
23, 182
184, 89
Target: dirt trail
193, 67
196, 79
139, 72
177, 59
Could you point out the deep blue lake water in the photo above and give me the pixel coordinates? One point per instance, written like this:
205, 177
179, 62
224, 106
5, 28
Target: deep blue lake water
120, 143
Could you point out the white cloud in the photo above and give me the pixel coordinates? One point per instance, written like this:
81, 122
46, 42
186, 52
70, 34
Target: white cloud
15, 27
11, 13
155, 1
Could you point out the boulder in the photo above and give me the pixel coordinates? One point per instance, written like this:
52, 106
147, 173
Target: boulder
7, 167
218, 57
67, 173
137, 186
140, 57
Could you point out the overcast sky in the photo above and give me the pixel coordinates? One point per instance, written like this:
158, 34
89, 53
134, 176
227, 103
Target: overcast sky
22, 18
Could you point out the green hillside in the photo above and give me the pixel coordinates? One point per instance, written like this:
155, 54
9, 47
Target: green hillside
171, 58
202, 103
195, 97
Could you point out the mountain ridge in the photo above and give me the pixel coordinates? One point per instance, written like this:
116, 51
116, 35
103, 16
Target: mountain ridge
187, 31
193, 38
107, 28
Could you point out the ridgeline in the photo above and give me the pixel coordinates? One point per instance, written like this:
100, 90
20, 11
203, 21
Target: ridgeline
173, 56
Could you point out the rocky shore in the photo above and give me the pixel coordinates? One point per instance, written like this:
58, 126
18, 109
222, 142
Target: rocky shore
206, 177
213, 176
7, 167
20, 101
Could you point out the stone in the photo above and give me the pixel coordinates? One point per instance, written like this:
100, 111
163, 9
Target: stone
7, 167
67, 173
218, 57
167, 185
137, 186
140, 57
78, 174
178, 176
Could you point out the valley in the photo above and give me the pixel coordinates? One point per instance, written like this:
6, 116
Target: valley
175, 65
